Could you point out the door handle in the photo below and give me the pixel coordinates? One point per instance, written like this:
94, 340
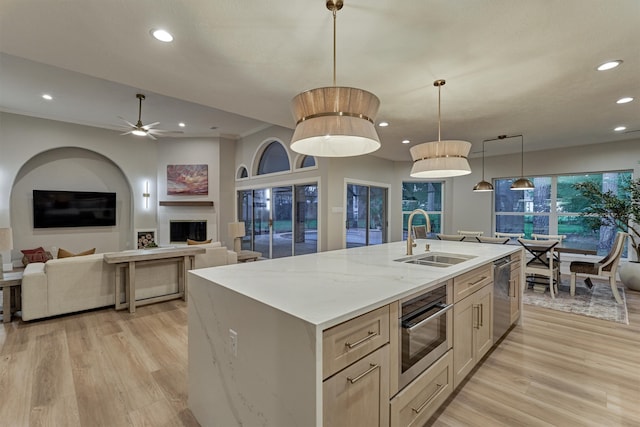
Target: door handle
270, 222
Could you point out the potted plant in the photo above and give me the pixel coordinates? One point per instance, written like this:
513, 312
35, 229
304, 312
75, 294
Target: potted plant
606, 208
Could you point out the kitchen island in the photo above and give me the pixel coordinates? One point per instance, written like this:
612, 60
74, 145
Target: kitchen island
257, 331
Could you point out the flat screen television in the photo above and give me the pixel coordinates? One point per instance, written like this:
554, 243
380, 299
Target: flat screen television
73, 209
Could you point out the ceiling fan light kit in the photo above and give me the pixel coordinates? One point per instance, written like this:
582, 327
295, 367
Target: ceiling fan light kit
335, 121
440, 159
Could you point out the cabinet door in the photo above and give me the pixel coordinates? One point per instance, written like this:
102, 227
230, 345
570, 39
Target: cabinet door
359, 394
483, 339
465, 315
515, 293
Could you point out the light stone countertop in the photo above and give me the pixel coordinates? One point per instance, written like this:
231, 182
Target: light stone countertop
327, 288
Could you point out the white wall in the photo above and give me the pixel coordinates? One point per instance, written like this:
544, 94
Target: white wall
23, 138
72, 169
189, 151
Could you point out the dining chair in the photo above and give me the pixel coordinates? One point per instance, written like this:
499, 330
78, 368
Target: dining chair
558, 237
470, 233
606, 268
542, 262
494, 240
509, 235
453, 237
419, 231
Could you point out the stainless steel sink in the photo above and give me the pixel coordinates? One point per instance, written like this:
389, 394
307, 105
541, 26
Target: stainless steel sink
436, 259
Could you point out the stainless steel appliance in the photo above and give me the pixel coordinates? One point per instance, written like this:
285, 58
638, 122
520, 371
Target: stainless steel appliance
501, 297
425, 330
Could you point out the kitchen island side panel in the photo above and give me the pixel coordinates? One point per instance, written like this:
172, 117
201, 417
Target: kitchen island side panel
273, 378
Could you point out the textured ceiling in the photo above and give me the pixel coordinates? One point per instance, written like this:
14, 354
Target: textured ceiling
511, 66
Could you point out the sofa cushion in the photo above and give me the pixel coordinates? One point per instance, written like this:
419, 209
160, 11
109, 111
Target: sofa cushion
63, 253
35, 255
198, 242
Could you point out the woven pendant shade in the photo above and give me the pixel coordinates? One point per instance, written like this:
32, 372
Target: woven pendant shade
335, 122
440, 159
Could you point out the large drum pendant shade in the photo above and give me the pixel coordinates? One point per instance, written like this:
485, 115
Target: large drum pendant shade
335, 122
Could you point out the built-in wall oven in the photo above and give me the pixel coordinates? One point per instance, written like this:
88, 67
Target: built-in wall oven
425, 330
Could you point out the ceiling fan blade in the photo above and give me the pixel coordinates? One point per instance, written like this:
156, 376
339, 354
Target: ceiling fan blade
151, 136
150, 125
163, 131
127, 122
126, 133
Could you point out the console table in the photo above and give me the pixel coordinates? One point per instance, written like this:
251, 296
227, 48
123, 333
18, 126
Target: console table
184, 256
10, 284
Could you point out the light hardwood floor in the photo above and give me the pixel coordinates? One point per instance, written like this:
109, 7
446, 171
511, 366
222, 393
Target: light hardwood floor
107, 368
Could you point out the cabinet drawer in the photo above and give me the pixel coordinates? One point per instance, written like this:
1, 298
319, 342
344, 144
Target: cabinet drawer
359, 394
469, 282
349, 341
413, 406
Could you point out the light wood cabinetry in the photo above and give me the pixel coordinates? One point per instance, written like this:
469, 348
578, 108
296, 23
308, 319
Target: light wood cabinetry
515, 286
472, 331
356, 371
469, 282
413, 406
349, 341
359, 394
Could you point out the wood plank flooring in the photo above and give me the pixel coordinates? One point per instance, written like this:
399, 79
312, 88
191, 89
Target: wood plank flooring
108, 368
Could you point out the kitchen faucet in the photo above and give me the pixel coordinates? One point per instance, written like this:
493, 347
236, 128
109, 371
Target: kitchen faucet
410, 242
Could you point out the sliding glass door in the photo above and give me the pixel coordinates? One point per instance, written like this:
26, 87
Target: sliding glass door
366, 215
273, 226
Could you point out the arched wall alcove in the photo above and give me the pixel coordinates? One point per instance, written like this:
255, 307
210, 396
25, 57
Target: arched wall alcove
72, 169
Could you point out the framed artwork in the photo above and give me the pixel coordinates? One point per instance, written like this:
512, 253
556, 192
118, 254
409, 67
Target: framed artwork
146, 239
188, 180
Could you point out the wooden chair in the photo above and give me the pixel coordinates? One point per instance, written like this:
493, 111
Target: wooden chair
509, 235
453, 237
605, 268
470, 233
543, 261
419, 231
495, 240
558, 237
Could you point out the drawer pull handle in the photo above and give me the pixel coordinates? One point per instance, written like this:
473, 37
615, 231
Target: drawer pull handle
477, 281
370, 335
372, 367
481, 315
429, 399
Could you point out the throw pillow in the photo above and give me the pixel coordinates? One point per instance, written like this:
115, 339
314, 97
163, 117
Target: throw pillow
198, 242
35, 255
63, 253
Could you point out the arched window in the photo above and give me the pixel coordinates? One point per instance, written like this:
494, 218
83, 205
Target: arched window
308, 162
242, 173
274, 159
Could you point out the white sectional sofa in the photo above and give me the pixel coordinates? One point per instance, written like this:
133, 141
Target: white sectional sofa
68, 285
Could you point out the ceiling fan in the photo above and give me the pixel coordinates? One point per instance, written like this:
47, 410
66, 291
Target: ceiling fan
144, 130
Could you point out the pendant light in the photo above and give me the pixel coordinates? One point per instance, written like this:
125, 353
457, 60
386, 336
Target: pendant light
521, 183
483, 185
335, 121
440, 159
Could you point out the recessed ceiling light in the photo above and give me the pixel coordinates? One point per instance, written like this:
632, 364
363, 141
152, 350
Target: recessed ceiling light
162, 35
620, 128
47, 97
383, 124
405, 141
181, 124
624, 100
609, 65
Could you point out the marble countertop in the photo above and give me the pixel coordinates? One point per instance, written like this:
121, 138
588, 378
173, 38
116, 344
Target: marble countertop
328, 288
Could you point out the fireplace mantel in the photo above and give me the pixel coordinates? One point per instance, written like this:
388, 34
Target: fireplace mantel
199, 203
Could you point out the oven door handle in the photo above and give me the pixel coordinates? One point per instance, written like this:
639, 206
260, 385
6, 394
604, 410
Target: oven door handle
439, 313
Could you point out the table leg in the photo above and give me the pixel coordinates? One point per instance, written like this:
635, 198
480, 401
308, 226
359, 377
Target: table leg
132, 287
117, 287
6, 304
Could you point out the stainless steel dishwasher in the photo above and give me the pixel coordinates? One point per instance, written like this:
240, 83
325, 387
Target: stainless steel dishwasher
501, 297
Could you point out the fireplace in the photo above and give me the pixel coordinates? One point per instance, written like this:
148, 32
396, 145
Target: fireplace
180, 231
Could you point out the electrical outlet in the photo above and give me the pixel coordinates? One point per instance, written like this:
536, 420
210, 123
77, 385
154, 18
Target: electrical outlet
233, 342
